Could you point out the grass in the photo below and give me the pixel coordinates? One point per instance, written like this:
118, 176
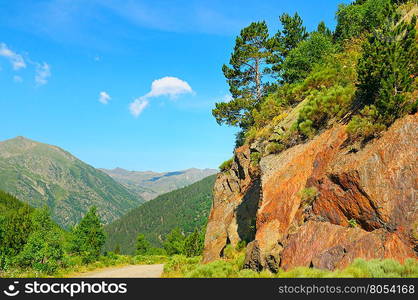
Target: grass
232, 267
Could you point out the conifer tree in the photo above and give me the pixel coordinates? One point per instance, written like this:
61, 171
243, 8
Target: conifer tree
293, 32
88, 237
245, 76
388, 67
193, 244
323, 29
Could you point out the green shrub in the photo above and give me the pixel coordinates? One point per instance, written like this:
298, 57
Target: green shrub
365, 126
179, 265
174, 242
273, 148
226, 165
44, 249
216, 269
308, 195
143, 246
149, 259
323, 105
255, 158
194, 243
379, 268
272, 106
301, 60
241, 246
302, 272
353, 223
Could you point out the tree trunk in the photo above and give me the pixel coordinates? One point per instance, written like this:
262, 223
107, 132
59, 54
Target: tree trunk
257, 80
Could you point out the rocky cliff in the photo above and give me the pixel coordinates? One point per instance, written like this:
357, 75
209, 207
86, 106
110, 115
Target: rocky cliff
322, 203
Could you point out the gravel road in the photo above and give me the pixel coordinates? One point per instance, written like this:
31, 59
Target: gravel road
134, 271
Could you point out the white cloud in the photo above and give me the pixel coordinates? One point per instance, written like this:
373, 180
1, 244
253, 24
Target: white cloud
17, 78
15, 59
43, 71
138, 106
166, 86
104, 97
169, 86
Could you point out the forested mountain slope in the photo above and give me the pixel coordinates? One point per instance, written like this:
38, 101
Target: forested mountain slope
186, 208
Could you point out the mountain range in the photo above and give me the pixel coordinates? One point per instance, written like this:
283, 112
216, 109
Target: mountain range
46, 175
148, 184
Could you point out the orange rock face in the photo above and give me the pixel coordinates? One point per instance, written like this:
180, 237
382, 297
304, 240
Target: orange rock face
361, 203
236, 196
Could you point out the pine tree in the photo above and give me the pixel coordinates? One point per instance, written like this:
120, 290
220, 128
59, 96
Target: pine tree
245, 76
323, 29
193, 244
388, 67
88, 237
293, 32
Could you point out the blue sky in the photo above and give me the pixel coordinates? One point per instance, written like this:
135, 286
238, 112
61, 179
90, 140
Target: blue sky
128, 83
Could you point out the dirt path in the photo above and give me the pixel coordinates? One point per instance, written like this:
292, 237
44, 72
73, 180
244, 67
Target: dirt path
134, 271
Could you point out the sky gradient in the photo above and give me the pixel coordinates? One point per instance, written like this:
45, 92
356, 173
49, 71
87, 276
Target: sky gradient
128, 84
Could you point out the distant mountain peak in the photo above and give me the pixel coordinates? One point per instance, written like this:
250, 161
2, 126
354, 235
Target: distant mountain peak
149, 184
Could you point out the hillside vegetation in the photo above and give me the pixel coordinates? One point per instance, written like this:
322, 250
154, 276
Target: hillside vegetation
186, 208
288, 87
45, 175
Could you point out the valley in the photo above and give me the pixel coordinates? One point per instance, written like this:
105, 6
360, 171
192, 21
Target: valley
148, 185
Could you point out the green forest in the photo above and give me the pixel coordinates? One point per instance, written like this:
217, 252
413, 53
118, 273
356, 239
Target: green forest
186, 209
32, 242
